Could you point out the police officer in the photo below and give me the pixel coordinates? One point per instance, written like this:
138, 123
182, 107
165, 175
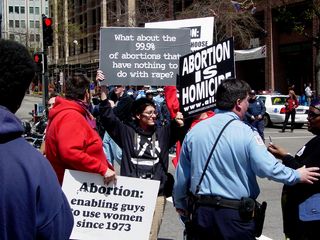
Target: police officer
229, 182
255, 113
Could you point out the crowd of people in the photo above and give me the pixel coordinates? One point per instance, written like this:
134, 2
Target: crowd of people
219, 155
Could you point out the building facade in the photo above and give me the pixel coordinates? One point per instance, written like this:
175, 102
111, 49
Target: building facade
290, 57
21, 21
77, 25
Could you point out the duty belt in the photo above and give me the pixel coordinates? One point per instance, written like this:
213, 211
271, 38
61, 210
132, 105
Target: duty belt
217, 201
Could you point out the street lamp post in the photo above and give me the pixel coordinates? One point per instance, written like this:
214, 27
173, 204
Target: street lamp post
76, 44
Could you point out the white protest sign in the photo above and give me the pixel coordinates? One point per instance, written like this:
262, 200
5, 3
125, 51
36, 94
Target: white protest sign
201, 30
139, 56
115, 212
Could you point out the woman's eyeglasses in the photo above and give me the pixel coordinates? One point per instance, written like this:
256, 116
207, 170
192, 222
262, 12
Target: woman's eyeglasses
312, 115
150, 114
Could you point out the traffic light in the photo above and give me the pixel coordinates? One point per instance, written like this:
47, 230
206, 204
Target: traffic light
37, 57
47, 31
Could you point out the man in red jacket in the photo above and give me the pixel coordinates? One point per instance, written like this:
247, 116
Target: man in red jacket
71, 139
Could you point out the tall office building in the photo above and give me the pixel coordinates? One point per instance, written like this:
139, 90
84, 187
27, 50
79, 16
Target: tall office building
22, 21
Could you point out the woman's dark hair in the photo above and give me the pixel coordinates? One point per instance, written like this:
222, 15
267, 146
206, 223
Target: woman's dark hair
139, 105
229, 91
76, 86
17, 69
53, 94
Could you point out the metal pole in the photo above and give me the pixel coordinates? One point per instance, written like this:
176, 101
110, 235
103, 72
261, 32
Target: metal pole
0, 24
45, 74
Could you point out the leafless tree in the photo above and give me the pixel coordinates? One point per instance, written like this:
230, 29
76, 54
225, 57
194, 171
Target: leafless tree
241, 23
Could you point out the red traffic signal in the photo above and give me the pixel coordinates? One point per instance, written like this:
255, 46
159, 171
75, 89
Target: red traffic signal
47, 31
47, 22
37, 57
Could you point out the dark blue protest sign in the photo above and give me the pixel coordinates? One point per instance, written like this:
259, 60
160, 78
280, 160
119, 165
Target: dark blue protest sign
139, 56
200, 73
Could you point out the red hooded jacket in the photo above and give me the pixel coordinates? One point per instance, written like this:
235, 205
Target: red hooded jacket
71, 143
170, 93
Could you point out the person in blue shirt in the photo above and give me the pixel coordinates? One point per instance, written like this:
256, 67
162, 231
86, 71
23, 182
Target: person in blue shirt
240, 155
255, 113
32, 204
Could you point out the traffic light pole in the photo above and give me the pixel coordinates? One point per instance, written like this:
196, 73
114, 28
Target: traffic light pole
45, 80
47, 37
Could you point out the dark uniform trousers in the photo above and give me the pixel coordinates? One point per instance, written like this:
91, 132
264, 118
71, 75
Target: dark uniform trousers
221, 223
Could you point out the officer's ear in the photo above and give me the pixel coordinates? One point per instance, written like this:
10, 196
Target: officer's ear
238, 103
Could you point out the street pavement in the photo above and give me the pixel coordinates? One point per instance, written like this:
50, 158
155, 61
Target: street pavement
172, 229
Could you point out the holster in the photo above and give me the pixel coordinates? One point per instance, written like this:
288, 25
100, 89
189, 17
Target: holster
259, 216
189, 229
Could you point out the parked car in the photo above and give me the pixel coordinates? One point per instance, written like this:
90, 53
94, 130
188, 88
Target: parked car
275, 110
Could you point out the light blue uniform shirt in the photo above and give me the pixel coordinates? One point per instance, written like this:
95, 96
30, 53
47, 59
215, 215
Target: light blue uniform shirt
239, 157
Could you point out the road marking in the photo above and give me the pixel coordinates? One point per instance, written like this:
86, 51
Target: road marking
292, 137
263, 238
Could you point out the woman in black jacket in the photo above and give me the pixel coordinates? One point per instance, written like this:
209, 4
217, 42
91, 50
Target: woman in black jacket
145, 148
301, 202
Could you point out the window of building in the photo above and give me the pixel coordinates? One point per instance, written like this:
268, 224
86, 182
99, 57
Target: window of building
94, 43
17, 23
37, 37
31, 24
47, 11
22, 9
11, 36
181, 5
37, 10
10, 9
85, 21
94, 17
85, 45
31, 38
99, 15
16, 9
37, 24
11, 23
81, 46
23, 24
31, 10
81, 22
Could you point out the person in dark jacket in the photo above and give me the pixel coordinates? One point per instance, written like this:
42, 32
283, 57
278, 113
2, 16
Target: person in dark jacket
301, 202
145, 148
32, 204
255, 113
